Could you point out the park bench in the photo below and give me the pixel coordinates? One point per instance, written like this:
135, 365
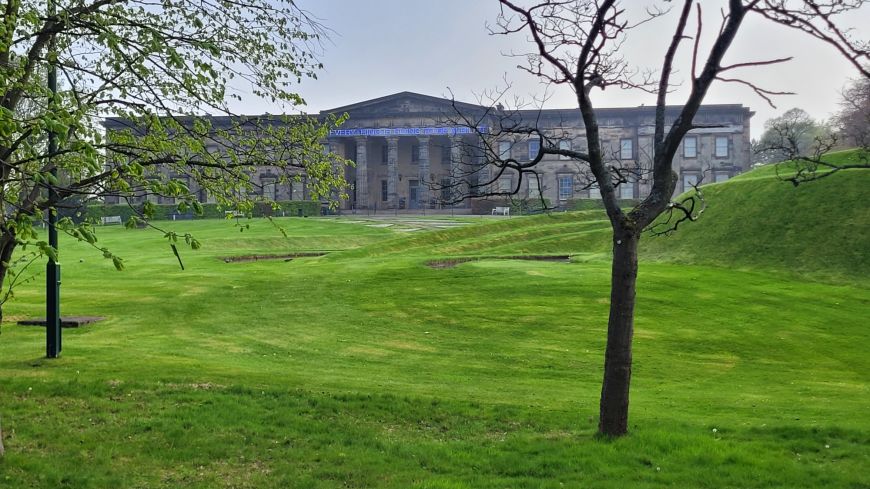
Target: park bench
111, 220
231, 214
503, 211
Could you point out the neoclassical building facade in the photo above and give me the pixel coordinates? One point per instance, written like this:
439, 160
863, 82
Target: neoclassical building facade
410, 151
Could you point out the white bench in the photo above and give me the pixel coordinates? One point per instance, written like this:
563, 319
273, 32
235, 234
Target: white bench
232, 214
111, 220
503, 211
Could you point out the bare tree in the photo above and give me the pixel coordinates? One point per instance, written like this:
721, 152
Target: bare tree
578, 43
799, 146
853, 120
792, 133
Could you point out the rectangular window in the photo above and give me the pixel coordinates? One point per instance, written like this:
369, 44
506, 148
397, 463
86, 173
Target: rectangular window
721, 176
385, 195
505, 184
326, 150
297, 191
385, 153
689, 181
445, 154
721, 147
566, 187
626, 190
626, 149
594, 193
269, 188
534, 187
415, 153
564, 145
504, 150
534, 148
690, 147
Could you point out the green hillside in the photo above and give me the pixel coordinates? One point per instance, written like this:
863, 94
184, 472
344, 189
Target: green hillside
758, 220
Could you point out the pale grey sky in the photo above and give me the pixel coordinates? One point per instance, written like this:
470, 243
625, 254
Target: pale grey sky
379, 47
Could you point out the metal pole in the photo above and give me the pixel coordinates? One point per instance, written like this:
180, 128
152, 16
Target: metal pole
52, 269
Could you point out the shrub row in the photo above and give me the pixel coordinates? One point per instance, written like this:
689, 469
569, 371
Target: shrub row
170, 211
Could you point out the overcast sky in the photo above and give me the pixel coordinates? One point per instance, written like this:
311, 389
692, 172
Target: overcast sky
379, 47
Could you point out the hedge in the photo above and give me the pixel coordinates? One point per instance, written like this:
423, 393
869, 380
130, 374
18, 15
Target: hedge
165, 212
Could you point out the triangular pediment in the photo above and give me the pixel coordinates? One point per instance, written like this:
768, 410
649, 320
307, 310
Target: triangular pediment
402, 103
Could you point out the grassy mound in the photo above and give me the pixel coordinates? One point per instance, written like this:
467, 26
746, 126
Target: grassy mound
759, 221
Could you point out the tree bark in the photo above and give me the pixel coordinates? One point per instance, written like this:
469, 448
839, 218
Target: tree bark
7, 246
613, 417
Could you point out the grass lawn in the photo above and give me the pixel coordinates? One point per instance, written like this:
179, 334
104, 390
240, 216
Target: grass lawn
367, 368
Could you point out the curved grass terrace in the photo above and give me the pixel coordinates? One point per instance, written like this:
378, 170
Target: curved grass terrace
368, 368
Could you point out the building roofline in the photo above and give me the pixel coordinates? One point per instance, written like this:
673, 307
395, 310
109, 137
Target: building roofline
226, 120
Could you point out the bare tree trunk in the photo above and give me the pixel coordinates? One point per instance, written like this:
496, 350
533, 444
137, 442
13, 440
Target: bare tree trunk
7, 246
613, 417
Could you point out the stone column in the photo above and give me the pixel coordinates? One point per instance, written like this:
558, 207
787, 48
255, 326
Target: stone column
393, 171
458, 190
423, 189
362, 173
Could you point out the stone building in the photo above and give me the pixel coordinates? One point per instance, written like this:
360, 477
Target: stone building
409, 152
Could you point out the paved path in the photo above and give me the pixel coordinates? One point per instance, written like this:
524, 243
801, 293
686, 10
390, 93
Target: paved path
411, 223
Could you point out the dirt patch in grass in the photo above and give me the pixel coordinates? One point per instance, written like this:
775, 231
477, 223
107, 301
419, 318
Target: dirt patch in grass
452, 262
284, 257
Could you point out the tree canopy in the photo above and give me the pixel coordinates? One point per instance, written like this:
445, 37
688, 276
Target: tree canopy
161, 70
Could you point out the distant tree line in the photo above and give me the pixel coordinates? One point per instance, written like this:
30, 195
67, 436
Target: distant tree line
795, 134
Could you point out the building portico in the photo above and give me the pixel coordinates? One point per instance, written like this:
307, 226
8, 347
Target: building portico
398, 169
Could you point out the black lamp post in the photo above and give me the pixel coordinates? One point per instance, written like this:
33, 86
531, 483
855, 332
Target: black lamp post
52, 269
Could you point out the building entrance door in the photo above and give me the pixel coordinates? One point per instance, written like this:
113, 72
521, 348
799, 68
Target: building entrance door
413, 194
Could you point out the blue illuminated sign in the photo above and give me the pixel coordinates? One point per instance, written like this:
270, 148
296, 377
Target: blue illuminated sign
409, 131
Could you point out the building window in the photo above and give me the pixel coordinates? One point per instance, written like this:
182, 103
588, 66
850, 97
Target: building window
385, 195
297, 190
690, 147
269, 187
385, 153
566, 187
326, 150
606, 149
565, 145
721, 176
689, 181
534, 148
721, 147
626, 149
534, 187
626, 190
415, 153
594, 193
504, 150
505, 184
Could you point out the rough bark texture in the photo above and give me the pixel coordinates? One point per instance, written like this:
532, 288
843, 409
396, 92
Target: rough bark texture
613, 418
7, 246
